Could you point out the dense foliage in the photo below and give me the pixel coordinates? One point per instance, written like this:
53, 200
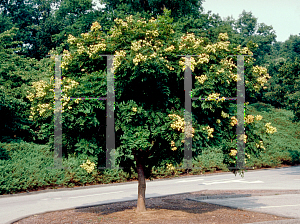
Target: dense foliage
149, 88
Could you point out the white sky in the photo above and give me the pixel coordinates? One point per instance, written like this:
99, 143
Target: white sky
283, 15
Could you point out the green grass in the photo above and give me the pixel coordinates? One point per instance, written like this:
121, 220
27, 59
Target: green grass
283, 146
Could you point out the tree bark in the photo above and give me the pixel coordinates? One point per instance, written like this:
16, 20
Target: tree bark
140, 165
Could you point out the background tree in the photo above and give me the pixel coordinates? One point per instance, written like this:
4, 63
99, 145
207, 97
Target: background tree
16, 75
155, 7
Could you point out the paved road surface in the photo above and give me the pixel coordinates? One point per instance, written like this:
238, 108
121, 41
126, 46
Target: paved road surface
14, 207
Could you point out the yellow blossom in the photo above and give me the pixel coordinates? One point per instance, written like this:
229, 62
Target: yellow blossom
270, 129
95, 26
210, 131
94, 49
179, 125
174, 148
215, 97
224, 115
170, 167
172, 143
71, 39
233, 152
88, 166
139, 58
169, 49
258, 117
233, 121
223, 36
201, 78
249, 119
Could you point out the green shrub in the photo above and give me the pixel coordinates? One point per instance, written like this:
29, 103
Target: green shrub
210, 159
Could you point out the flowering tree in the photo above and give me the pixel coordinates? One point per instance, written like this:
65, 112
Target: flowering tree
149, 105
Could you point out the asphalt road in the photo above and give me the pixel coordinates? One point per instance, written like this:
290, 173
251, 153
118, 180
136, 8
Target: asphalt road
14, 207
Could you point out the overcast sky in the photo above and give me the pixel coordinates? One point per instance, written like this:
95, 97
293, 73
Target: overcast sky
283, 15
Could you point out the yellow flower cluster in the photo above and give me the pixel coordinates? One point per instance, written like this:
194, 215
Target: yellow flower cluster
94, 49
224, 115
215, 97
77, 100
243, 136
258, 117
39, 90
118, 59
142, 21
95, 26
136, 45
129, 19
220, 71
210, 48
201, 78
43, 107
70, 84
170, 49
223, 36
235, 77
260, 145
116, 32
263, 75
169, 67
71, 39
203, 58
183, 63
67, 58
233, 152
218, 121
244, 50
233, 121
85, 36
170, 167
139, 58
88, 166
270, 129
189, 41
179, 125
152, 20
134, 109
153, 33
249, 119
173, 146
221, 45
228, 63
209, 131
121, 22
80, 48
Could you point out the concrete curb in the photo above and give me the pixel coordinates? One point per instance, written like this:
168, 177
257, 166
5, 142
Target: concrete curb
286, 221
220, 196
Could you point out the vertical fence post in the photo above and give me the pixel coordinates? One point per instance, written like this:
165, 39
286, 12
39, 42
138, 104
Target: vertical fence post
57, 158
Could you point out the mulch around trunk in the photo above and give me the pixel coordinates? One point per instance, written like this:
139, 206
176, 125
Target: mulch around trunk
163, 210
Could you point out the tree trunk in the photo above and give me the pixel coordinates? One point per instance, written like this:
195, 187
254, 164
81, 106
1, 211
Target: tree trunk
140, 165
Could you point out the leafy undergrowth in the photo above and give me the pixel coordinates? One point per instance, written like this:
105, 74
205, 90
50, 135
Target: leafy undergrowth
29, 167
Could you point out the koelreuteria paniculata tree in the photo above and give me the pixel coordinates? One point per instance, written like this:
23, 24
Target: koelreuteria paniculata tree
149, 89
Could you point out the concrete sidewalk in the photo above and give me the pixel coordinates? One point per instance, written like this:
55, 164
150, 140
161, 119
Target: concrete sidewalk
285, 205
